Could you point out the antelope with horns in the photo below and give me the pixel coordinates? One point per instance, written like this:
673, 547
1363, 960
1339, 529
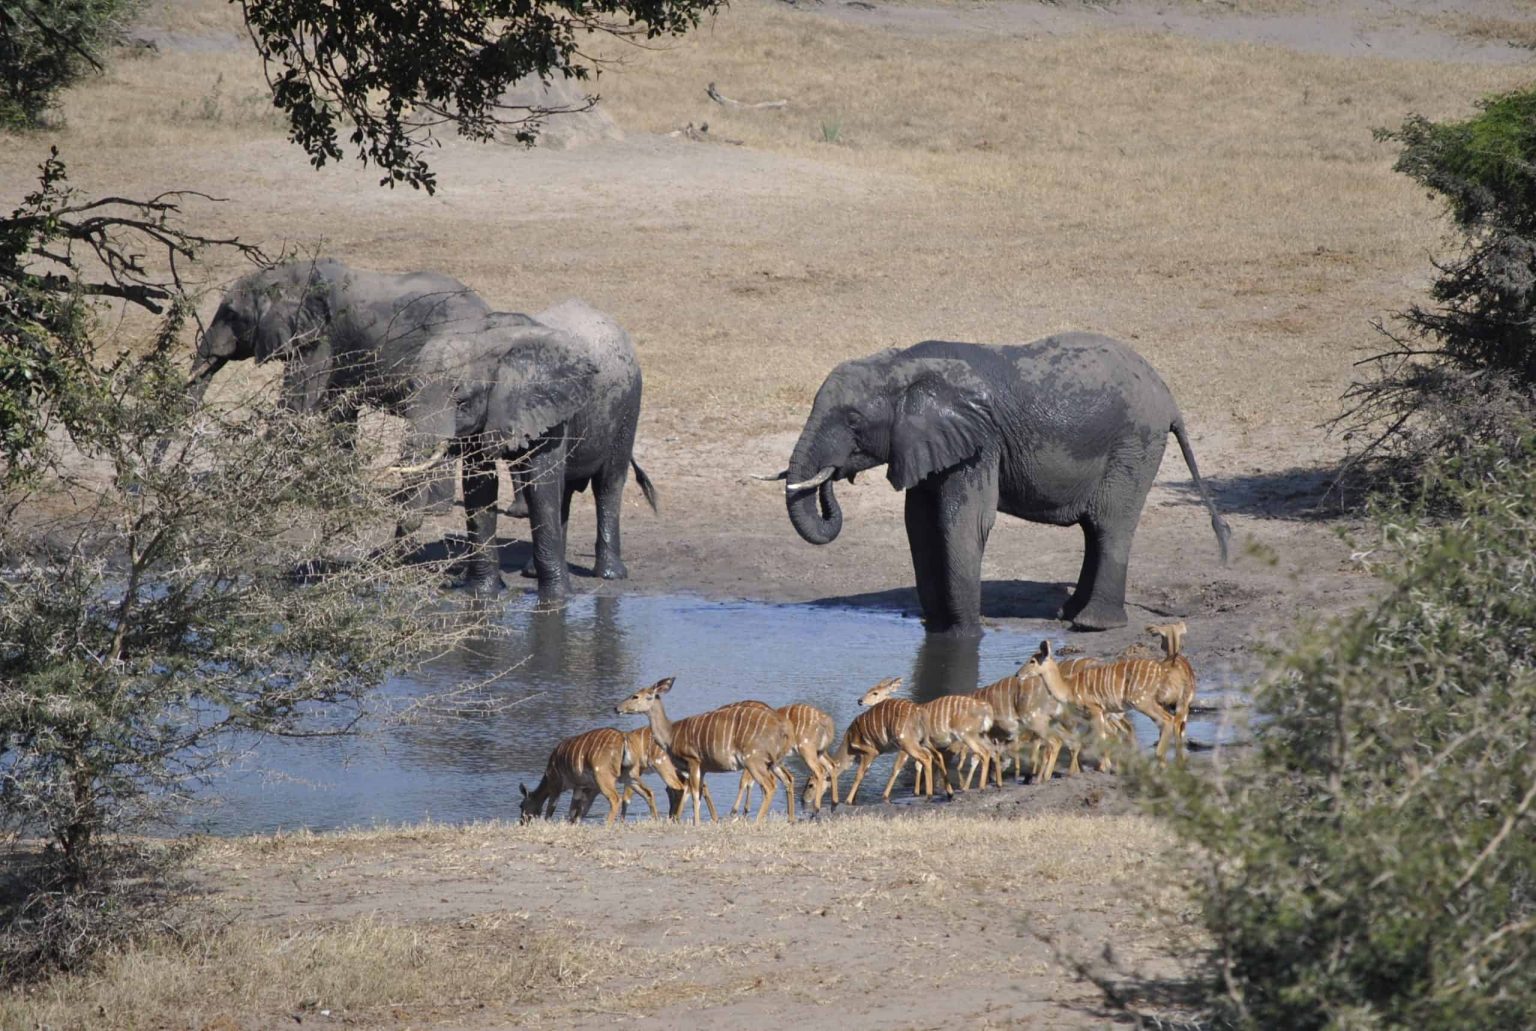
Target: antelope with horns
888, 725
958, 724
812, 734
1108, 688
741, 736
579, 764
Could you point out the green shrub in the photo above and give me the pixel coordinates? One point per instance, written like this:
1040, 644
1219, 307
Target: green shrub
47, 44
1371, 861
1460, 374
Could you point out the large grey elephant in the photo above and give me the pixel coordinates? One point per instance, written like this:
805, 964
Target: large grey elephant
560, 407
424, 346
1068, 430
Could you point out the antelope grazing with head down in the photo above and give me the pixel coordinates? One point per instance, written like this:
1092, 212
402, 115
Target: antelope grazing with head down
888, 725
1101, 689
812, 734
579, 764
748, 736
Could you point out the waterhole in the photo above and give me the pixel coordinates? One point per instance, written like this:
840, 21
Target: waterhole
562, 672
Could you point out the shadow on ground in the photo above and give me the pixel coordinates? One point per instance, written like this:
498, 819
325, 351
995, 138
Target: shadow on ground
1000, 599
1307, 494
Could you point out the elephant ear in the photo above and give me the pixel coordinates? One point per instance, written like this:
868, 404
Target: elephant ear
291, 309
544, 378
943, 418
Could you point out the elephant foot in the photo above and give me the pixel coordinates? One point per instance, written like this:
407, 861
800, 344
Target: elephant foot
612, 569
934, 628
487, 584
1071, 607
1094, 616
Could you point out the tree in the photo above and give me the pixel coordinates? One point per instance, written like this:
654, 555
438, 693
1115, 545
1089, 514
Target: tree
396, 71
1461, 374
1370, 861
174, 577
47, 44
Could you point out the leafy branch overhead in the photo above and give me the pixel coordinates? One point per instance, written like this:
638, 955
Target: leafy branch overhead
395, 70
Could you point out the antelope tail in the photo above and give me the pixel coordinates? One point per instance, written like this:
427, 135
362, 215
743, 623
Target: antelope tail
1218, 524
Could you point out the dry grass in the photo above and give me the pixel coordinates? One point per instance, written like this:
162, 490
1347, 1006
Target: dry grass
1223, 206
356, 971
1516, 32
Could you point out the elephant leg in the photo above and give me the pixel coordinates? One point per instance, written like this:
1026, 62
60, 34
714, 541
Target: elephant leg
1103, 608
1085, 577
966, 508
531, 567
608, 493
480, 489
546, 493
922, 517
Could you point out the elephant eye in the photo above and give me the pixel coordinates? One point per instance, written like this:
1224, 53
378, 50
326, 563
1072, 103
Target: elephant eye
855, 420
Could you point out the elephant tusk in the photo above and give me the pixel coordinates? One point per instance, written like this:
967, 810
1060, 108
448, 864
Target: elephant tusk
782, 474
814, 481
421, 467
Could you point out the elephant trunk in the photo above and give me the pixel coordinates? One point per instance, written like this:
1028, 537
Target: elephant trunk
814, 512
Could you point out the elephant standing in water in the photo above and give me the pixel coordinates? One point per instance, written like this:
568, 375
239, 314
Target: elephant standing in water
1068, 430
424, 346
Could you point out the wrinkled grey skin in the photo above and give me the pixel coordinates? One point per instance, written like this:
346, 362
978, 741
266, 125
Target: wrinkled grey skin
349, 337
561, 409
1068, 430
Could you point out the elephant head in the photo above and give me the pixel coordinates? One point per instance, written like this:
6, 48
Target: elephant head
916, 415
270, 313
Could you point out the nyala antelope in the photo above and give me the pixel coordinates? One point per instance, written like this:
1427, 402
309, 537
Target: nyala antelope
1108, 688
888, 725
958, 725
748, 736
579, 764
1178, 688
812, 734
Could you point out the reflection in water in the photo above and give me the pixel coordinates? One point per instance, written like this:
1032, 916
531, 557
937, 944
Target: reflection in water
559, 672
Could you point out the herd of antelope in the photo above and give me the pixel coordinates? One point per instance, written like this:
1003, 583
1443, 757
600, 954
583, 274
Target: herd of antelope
1046, 705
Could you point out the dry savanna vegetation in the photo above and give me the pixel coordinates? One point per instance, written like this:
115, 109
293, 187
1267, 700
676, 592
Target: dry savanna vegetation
1222, 205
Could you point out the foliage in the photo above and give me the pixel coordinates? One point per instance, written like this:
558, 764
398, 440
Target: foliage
1427, 395
47, 44
174, 577
396, 71
1372, 861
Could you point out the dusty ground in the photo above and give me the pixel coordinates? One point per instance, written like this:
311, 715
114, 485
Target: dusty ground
1197, 178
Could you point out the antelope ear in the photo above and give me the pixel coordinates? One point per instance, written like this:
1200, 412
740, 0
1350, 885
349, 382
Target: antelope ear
664, 685
524, 789
942, 419
1044, 652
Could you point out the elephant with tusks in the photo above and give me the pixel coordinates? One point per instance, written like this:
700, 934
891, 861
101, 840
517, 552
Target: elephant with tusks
557, 395
1068, 430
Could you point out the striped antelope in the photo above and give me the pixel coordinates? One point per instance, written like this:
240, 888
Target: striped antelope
888, 725
578, 764
738, 736
1178, 689
812, 734
1103, 688
958, 724
642, 753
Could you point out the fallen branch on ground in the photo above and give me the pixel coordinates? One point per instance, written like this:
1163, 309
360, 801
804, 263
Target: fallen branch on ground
718, 98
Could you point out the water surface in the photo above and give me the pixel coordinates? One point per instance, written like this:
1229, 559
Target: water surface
567, 669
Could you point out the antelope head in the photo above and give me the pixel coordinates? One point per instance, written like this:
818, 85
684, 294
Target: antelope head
1172, 635
641, 702
529, 810
880, 692
1042, 664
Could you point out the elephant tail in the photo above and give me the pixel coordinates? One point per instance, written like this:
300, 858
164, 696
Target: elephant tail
648, 488
1223, 531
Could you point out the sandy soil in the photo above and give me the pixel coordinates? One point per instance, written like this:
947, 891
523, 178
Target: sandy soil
1196, 178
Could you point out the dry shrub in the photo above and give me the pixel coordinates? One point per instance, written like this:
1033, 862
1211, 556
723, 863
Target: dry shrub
352, 970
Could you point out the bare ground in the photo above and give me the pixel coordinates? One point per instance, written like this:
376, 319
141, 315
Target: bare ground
1196, 178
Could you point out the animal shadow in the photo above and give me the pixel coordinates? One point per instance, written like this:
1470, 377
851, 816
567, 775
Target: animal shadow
1000, 599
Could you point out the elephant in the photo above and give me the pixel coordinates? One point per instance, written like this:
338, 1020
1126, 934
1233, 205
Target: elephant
560, 407
1067, 430
426, 347
346, 337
